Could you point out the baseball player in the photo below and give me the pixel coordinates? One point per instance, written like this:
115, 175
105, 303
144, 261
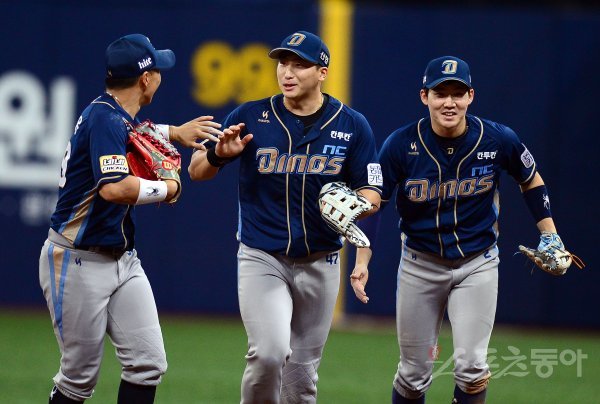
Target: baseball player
447, 169
289, 146
89, 271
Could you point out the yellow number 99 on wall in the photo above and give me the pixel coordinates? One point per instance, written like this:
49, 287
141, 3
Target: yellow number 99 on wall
222, 75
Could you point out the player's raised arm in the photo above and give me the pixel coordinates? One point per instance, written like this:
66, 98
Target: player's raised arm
199, 129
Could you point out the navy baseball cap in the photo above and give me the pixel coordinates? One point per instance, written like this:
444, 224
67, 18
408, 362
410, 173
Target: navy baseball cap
446, 68
306, 45
133, 54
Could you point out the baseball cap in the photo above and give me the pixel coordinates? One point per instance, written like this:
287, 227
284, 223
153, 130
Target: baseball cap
131, 55
306, 45
446, 68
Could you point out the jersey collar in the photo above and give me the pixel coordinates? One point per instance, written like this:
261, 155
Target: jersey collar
113, 103
333, 108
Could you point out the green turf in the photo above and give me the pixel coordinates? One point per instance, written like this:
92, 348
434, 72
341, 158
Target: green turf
206, 361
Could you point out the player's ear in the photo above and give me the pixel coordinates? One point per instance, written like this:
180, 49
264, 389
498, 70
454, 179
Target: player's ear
423, 93
471, 95
322, 73
145, 79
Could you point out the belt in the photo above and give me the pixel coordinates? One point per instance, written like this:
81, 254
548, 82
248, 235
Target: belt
59, 239
111, 251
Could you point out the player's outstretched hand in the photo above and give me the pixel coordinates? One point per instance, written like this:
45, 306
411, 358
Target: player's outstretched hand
358, 280
201, 128
230, 144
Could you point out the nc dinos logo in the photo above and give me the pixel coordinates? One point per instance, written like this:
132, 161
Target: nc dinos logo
296, 39
449, 66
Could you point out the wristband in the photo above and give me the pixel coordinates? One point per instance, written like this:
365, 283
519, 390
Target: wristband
214, 160
538, 202
151, 191
164, 130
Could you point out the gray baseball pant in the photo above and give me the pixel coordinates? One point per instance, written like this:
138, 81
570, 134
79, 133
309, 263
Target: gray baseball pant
287, 306
427, 285
90, 295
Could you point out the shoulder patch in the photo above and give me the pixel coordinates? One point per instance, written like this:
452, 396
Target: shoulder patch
527, 158
375, 177
114, 163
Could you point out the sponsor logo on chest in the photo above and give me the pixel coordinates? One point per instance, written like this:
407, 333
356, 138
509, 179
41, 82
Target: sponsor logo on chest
487, 155
265, 117
341, 135
413, 149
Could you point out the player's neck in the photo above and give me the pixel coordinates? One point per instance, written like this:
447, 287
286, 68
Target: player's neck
127, 100
452, 132
305, 106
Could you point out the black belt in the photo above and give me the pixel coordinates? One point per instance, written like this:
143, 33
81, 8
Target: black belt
111, 251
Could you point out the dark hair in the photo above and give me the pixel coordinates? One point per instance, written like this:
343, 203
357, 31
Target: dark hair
120, 83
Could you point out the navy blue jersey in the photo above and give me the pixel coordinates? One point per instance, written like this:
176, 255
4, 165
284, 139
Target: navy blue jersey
95, 155
282, 171
448, 199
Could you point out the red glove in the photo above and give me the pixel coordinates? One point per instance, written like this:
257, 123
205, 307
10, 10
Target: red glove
152, 157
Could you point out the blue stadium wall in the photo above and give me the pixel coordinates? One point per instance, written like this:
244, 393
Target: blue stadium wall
534, 69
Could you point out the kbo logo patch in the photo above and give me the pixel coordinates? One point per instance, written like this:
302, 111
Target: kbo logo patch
113, 164
527, 159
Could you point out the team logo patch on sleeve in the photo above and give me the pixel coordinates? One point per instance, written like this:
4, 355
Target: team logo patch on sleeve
114, 163
375, 175
527, 158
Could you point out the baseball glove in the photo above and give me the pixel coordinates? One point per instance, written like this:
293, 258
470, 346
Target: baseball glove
340, 206
551, 255
151, 156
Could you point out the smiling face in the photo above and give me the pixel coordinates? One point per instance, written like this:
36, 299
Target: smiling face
299, 79
448, 103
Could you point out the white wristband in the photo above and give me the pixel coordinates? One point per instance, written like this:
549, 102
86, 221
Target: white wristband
151, 191
164, 130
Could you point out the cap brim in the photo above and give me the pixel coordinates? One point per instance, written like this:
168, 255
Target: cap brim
275, 53
165, 59
439, 81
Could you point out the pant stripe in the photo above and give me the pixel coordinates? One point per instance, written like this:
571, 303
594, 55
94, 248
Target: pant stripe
60, 257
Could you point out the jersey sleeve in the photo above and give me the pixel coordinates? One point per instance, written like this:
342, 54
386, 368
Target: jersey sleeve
108, 140
391, 167
519, 162
364, 170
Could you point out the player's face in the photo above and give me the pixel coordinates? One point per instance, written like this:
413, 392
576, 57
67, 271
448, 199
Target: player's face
151, 81
299, 79
448, 103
